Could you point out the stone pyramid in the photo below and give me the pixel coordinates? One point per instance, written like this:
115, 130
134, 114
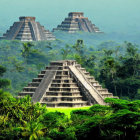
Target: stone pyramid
27, 29
65, 84
77, 22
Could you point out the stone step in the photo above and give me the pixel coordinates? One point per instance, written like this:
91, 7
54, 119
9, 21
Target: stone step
41, 75
37, 79
90, 77
107, 95
34, 84
91, 80
82, 68
44, 71
62, 98
61, 87
64, 89
47, 96
78, 66
64, 85
95, 83
86, 73
58, 73
60, 93
103, 91
22, 31
70, 80
62, 76
98, 87
29, 89
57, 63
59, 68
62, 73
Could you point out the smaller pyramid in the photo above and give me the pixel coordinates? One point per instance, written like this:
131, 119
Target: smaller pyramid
27, 29
77, 22
65, 84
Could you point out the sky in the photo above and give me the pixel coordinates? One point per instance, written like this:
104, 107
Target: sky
109, 15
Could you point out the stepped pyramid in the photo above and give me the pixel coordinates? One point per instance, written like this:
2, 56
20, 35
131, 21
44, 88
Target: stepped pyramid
27, 29
77, 22
65, 84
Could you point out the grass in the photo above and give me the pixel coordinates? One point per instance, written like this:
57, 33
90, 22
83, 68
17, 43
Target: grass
66, 111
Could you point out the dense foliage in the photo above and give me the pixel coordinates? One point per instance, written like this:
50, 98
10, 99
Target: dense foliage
116, 66
21, 119
3, 82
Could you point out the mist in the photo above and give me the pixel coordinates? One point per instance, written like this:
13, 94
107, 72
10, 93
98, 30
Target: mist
116, 18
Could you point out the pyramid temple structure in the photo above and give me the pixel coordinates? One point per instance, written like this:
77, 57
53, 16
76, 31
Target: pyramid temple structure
65, 84
27, 29
77, 22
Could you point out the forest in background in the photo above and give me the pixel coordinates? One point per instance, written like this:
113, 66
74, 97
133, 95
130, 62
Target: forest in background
116, 65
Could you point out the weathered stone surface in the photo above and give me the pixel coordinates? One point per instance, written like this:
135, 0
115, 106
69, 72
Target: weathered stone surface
27, 29
77, 22
65, 84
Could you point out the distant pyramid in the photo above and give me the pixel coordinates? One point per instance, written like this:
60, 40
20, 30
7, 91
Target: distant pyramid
27, 29
65, 84
77, 22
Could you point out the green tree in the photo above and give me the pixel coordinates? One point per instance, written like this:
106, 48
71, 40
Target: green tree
26, 50
32, 130
79, 46
3, 82
108, 74
65, 51
17, 65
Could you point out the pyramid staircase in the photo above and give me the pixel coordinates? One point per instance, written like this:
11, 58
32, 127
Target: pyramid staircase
27, 29
65, 84
77, 22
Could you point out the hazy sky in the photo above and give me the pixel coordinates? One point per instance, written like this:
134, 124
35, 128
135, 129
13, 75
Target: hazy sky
108, 15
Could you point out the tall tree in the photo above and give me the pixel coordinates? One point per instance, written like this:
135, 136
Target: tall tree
3, 82
26, 50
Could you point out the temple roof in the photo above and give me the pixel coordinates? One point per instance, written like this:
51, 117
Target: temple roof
22, 18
